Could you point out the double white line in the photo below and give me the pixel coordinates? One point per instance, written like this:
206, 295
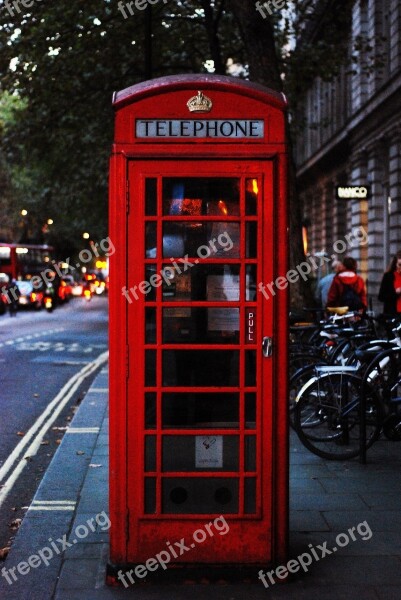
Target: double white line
30, 443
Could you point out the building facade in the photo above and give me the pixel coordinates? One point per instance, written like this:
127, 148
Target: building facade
352, 136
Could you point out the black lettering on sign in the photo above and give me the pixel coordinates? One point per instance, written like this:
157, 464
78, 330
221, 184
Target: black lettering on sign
205, 128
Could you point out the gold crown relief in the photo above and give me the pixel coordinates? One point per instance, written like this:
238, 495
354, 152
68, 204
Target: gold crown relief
200, 103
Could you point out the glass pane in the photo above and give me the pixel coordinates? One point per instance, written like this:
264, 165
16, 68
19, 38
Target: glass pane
250, 453
150, 368
151, 277
200, 411
151, 197
251, 196
250, 368
251, 291
150, 410
200, 453
204, 240
151, 239
190, 495
250, 496
189, 368
201, 325
150, 495
150, 453
250, 410
213, 283
150, 326
195, 196
251, 239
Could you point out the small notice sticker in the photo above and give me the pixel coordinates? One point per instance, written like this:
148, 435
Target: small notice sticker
209, 452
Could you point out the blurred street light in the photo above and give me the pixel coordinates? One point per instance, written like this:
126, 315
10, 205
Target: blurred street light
50, 221
85, 236
24, 212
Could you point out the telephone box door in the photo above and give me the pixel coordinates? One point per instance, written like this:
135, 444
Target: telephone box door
200, 388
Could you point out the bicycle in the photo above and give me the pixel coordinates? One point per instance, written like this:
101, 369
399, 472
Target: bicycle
340, 412
327, 413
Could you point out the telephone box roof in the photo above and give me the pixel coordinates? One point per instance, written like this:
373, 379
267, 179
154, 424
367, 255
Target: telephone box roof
222, 83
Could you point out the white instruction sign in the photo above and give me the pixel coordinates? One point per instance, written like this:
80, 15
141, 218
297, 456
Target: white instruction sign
209, 452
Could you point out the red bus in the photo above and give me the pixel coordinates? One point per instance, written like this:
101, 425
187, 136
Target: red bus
23, 260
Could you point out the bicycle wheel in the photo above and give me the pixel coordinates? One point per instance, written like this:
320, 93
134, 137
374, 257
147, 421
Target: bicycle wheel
297, 380
327, 412
300, 361
383, 372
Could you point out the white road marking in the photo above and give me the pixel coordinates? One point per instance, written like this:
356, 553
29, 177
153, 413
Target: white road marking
71, 362
53, 505
54, 502
83, 430
33, 335
44, 346
98, 390
38, 430
52, 508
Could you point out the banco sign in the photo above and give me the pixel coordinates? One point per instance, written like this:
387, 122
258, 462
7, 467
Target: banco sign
352, 192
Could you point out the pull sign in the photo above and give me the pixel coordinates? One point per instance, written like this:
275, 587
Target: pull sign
250, 335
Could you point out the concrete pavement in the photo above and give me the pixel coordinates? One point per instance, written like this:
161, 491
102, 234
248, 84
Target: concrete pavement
330, 503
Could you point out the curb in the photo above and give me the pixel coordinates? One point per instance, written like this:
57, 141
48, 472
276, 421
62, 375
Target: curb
54, 509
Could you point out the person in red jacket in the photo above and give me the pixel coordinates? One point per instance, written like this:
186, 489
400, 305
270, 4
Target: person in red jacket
348, 288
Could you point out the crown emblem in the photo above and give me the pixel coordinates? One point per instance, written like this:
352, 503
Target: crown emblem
200, 103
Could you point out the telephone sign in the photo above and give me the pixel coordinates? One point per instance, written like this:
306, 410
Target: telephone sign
198, 408
159, 128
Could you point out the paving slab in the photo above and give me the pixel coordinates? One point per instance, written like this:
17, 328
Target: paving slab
307, 520
327, 498
325, 502
378, 520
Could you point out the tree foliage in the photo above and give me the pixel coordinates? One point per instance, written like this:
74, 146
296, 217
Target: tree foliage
62, 61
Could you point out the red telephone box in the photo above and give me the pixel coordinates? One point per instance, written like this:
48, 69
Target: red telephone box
198, 393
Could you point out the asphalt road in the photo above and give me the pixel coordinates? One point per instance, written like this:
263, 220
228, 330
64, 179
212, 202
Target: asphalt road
47, 363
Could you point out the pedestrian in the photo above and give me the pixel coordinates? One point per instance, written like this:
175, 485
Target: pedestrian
11, 294
390, 287
322, 289
348, 288
3, 297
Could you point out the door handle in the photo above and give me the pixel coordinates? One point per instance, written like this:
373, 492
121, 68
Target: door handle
267, 347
